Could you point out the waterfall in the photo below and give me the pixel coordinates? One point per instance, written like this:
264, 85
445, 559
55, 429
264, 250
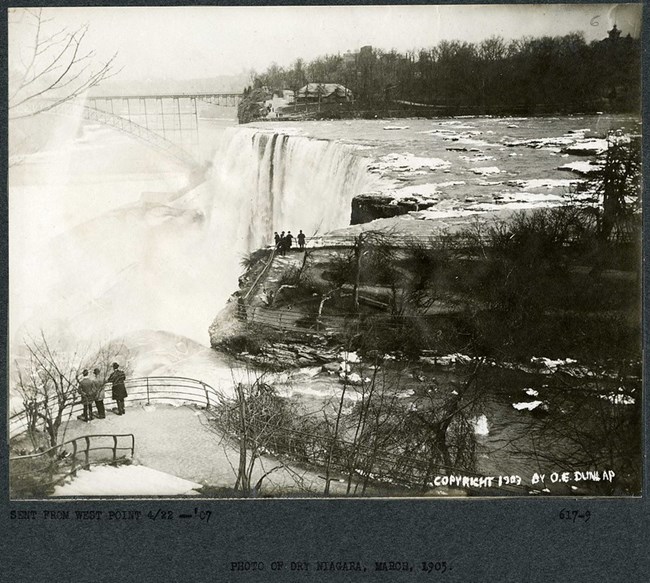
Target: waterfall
276, 182
171, 263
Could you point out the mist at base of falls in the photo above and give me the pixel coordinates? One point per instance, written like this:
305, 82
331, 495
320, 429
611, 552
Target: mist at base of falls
103, 246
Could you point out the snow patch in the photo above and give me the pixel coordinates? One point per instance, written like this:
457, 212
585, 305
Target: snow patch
131, 480
476, 158
551, 365
543, 183
480, 425
588, 147
531, 405
446, 360
581, 167
406, 162
350, 357
487, 170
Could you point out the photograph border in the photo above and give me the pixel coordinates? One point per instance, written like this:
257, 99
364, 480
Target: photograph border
480, 540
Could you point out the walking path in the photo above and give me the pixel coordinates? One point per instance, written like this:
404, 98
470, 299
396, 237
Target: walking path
178, 440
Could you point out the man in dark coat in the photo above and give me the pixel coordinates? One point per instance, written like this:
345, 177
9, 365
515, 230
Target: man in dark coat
117, 379
87, 392
301, 239
99, 394
289, 238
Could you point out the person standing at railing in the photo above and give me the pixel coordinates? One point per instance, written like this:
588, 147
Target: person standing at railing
87, 392
99, 394
280, 246
301, 240
118, 392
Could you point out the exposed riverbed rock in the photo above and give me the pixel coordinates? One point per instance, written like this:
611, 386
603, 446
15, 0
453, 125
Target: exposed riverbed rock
370, 206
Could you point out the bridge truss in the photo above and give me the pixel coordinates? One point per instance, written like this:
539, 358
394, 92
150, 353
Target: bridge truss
169, 123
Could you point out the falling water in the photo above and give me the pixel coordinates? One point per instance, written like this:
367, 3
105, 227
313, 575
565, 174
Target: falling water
170, 264
270, 182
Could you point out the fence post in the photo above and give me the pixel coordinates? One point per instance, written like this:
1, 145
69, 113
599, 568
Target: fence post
114, 447
74, 454
148, 403
87, 452
207, 395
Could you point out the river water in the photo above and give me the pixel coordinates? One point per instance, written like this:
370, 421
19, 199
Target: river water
102, 244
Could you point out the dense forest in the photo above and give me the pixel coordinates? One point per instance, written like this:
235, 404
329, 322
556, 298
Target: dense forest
527, 75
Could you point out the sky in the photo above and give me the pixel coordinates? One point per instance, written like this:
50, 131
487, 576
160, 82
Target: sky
203, 41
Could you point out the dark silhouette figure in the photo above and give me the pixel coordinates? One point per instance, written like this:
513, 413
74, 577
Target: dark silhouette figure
280, 246
99, 394
87, 391
289, 238
301, 239
277, 238
118, 392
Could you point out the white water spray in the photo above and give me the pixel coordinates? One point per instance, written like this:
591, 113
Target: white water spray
273, 182
170, 265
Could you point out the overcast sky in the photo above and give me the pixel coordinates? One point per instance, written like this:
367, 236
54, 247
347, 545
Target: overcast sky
194, 42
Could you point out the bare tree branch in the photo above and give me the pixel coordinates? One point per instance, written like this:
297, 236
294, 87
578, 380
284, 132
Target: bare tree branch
58, 70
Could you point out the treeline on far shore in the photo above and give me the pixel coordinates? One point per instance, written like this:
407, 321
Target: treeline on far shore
525, 76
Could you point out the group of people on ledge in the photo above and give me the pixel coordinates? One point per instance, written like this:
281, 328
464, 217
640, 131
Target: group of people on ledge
284, 242
92, 390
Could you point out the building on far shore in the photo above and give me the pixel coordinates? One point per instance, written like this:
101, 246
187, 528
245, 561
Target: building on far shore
324, 93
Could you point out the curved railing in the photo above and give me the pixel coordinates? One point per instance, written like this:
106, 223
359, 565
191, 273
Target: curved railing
142, 390
55, 464
162, 388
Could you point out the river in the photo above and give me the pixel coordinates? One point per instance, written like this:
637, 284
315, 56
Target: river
102, 244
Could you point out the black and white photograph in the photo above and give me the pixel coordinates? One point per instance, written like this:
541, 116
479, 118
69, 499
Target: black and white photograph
344, 252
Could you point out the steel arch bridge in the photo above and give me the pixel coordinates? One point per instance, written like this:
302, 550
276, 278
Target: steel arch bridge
169, 123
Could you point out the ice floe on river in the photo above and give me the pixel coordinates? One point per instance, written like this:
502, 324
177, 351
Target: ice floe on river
485, 171
582, 167
406, 162
543, 183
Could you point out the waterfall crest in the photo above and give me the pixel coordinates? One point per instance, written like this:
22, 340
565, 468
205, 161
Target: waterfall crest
171, 263
274, 182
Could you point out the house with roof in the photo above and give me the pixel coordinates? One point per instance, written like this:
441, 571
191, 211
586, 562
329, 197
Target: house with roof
323, 93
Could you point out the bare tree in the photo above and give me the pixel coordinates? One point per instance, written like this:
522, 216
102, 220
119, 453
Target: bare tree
591, 424
619, 183
51, 68
258, 421
47, 384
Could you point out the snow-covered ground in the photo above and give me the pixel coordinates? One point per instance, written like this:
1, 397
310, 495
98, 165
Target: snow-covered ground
179, 441
126, 480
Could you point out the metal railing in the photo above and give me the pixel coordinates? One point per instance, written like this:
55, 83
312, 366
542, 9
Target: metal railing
262, 274
54, 465
140, 390
161, 388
